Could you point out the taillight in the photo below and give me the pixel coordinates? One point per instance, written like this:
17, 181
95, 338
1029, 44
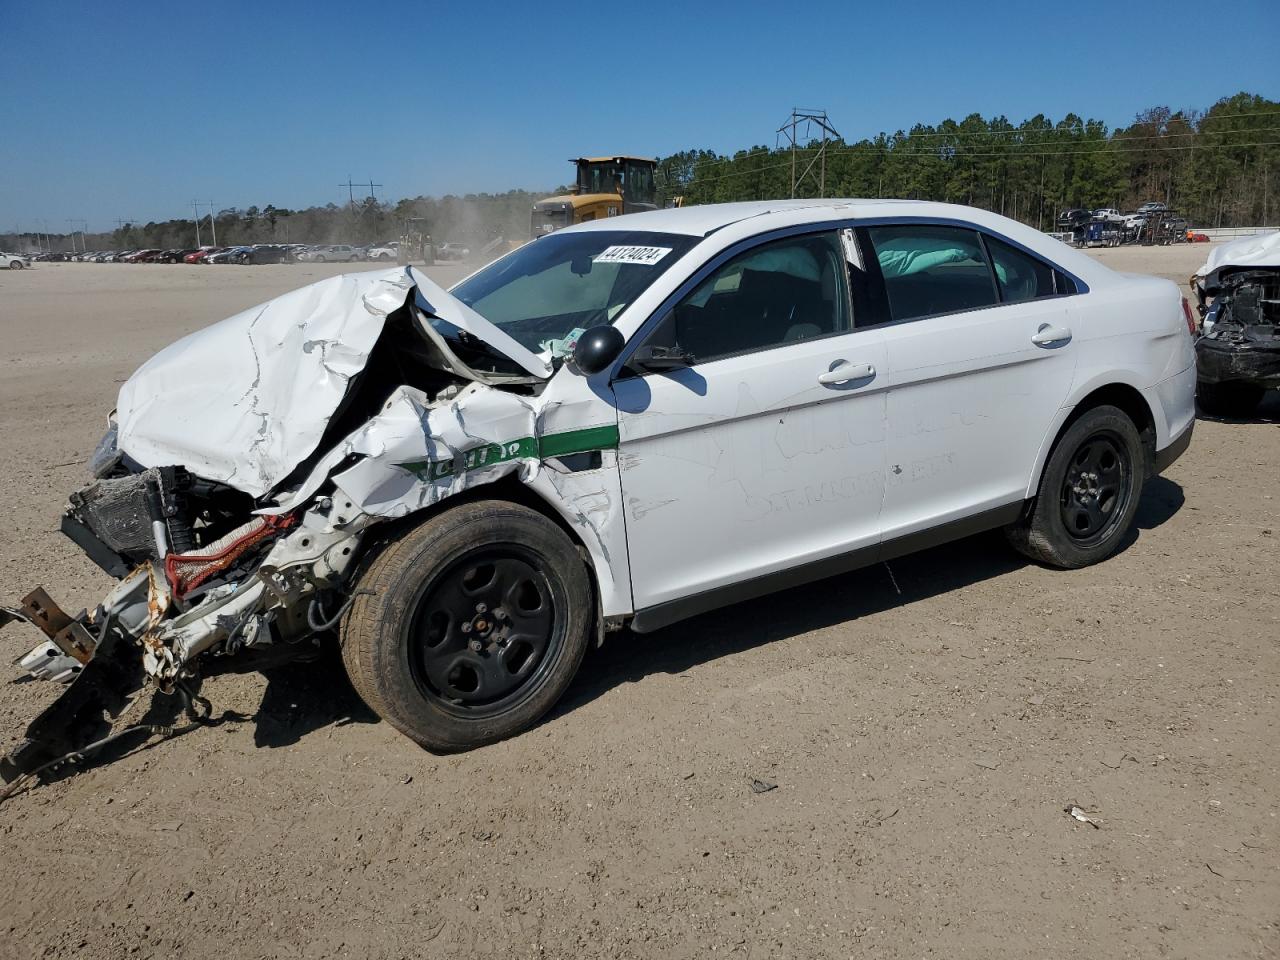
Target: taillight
1191, 320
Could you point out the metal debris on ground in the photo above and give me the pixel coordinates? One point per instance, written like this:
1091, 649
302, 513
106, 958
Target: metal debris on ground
762, 786
1077, 813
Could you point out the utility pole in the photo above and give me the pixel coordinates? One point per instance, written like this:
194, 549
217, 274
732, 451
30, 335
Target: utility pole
213, 224
810, 118
351, 192
84, 226
195, 218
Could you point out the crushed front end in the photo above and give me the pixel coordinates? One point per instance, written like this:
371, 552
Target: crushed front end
202, 578
1240, 340
232, 494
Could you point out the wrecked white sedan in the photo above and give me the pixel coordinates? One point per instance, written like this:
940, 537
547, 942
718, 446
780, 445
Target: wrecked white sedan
623, 423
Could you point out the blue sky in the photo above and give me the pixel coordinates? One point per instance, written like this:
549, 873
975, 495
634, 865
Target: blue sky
132, 109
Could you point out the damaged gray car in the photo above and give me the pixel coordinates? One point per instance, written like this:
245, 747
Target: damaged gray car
1238, 353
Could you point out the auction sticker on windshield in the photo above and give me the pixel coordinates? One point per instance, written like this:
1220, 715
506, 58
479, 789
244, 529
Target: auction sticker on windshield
646, 256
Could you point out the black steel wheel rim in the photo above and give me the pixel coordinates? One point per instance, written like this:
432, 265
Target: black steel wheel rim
1096, 488
484, 631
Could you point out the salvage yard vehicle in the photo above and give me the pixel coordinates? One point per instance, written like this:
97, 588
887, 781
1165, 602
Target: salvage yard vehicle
1238, 353
623, 423
14, 261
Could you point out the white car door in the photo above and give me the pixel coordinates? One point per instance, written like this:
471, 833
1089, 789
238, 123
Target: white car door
768, 452
980, 358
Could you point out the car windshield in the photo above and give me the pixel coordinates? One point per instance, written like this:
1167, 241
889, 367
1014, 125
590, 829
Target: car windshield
550, 289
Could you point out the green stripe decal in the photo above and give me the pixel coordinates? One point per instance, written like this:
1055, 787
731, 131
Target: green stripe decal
580, 441
526, 448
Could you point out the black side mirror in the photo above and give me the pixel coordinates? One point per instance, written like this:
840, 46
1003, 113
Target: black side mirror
597, 348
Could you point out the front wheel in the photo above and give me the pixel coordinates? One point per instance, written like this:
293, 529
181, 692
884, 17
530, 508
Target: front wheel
15, 265
1088, 493
470, 627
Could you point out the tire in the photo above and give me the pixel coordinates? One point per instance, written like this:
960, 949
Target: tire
1088, 494
1234, 398
446, 677
15, 264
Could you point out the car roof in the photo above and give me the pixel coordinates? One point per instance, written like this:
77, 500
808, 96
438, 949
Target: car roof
702, 219
765, 215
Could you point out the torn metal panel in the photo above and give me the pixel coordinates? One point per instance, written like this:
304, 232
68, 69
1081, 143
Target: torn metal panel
244, 401
217, 401
1261, 250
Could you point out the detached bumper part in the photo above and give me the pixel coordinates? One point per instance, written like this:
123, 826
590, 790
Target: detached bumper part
83, 713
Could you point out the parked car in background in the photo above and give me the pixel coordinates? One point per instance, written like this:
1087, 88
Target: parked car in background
1238, 294
261, 253
226, 255
14, 261
203, 254
339, 252
1070, 221
384, 251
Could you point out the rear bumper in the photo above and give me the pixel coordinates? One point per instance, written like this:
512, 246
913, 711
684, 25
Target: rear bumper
1218, 362
1176, 448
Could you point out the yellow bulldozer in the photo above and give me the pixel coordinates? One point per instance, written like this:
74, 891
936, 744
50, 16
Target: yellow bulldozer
605, 187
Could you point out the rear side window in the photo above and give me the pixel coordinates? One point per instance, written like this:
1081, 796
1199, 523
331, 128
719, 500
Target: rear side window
1019, 275
930, 270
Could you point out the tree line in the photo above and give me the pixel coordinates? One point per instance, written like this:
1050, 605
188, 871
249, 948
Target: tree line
1217, 167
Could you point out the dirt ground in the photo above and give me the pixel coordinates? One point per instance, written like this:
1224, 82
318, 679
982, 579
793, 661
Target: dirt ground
924, 739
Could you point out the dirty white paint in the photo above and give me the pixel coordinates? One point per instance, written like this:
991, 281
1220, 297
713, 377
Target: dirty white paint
708, 476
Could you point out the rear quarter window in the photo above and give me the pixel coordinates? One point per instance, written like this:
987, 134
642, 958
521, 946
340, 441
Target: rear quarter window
930, 270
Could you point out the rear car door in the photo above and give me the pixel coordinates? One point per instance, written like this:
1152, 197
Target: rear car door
768, 451
980, 358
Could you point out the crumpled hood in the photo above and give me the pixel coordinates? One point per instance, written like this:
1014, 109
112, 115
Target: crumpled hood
244, 401
1260, 250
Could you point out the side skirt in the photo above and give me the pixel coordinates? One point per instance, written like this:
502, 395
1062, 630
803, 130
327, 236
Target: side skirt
664, 614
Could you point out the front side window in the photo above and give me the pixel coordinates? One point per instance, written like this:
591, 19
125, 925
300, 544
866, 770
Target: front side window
778, 293
569, 281
929, 270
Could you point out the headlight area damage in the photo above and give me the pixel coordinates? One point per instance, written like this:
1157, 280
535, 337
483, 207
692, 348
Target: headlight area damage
244, 470
1238, 352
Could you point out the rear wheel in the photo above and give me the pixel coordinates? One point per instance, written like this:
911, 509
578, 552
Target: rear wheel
15, 264
1088, 493
1230, 399
474, 625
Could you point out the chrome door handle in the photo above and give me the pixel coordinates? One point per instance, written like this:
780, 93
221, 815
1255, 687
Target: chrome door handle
843, 372
1048, 336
